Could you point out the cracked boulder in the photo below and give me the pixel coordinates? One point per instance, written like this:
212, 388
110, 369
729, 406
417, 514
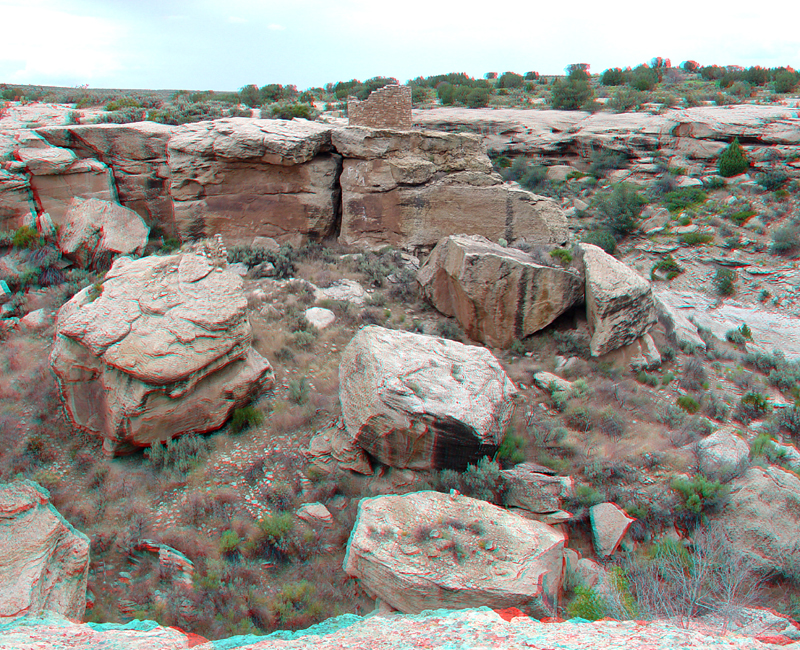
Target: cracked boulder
97, 230
497, 294
619, 302
162, 347
44, 561
428, 550
423, 402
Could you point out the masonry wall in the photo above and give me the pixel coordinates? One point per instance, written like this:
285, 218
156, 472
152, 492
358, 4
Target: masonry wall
386, 108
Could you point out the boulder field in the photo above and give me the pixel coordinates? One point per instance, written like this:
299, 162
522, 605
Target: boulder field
160, 348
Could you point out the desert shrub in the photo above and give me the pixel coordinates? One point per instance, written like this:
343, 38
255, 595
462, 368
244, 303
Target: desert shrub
179, 455
669, 266
752, 406
245, 418
788, 419
602, 238
586, 496
484, 481
298, 390
297, 605
613, 77
643, 78
694, 374
688, 404
587, 604
772, 180
450, 330
289, 111
684, 198
714, 183
646, 378
304, 339
741, 217
725, 281
229, 542
696, 238
626, 99
603, 161
785, 81
571, 344
699, 493
611, 422
561, 255
740, 335
511, 450
579, 417
573, 92
715, 406
282, 259
280, 495
786, 240
763, 447
732, 160
26, 237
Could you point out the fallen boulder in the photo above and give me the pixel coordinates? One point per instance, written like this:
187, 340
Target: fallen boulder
423, 402
429, 550
619, 302
44, 561
497, 294
723, 455
761, 519
609, 525
96, 230
160, 348
533, 491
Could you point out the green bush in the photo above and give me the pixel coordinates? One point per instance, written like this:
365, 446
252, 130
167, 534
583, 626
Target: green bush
587, 604
244, 418
733, 161
613, 77
296, 605
752, 406
786, 240
573, 92
700, 494
179, 455
603, 161
26, 237
740, 335
741, 217
725, 282
669, 266
684, 198
229, 542
275, 528
579, 418
688, 404
602, 238
289, 112
298, 390
645, 378
484, 481
620, 208
512, 449
561, 255
696, 238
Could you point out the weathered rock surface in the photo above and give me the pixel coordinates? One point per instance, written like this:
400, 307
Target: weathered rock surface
497, 294
761, 518
332, 447
44, 561
609, 525
619, 302
164, 349
247, 178
723, 455
551, 383
465, 628
536, 492
136, 153
427, 550
97, 230
423, 402
320, 317
642, 354
771, 330
409, 189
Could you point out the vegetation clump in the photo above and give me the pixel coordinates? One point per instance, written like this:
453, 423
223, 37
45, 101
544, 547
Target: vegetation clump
732, 160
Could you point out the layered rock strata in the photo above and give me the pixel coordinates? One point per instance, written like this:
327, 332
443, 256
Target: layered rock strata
497, 294
428, 550
423, 402
44, 561
161, 348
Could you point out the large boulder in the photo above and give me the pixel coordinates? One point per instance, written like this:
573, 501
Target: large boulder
423, 402
44, 561
429, 550
162, 347
497, 294
411, 188
96, 230
609, 525
136, 154
619, 302
723, 455
245, 178
535, 492
761, 519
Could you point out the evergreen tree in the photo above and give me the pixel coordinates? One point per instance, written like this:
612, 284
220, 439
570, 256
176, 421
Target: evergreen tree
733, 161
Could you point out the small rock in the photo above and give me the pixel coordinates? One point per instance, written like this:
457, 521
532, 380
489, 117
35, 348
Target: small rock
320, 317
314, 513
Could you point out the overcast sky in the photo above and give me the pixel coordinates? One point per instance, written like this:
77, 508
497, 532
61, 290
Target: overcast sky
225, 44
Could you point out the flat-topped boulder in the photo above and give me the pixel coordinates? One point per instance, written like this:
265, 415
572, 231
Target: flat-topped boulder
429, 550
246, 178
724, 454
423, 402
44, 561
160, 348
497, 294
619, 302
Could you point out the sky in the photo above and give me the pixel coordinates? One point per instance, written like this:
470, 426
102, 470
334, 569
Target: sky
226, 44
